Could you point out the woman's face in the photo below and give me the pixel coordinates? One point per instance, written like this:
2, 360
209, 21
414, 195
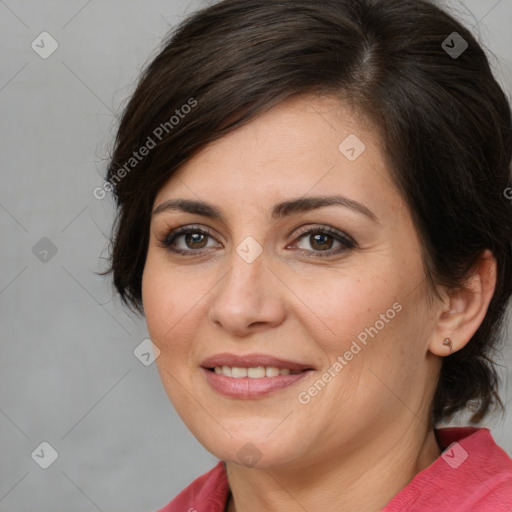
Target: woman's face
335, 291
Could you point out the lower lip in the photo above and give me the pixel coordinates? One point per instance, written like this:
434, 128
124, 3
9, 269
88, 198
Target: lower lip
247, 388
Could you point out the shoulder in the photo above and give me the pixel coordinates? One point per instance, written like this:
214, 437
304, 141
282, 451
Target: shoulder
487, 477
472, 474
207, 493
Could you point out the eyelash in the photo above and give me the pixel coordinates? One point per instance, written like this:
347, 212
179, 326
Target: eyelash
346, 241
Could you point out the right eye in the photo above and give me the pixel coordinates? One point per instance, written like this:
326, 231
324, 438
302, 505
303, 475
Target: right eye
194, 240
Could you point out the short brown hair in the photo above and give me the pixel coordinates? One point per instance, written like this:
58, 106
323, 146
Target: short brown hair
444, 121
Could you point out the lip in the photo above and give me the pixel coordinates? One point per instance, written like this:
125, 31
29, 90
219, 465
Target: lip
252, 360
249, 388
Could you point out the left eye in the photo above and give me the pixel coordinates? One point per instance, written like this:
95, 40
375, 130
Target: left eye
322, 241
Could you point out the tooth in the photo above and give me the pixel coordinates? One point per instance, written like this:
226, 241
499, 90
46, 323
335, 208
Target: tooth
256, 373
238, 372
271, 371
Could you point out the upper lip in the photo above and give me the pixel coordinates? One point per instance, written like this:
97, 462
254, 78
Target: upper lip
252, 360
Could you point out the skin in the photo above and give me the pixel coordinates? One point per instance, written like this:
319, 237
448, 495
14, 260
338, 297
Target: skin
360, 440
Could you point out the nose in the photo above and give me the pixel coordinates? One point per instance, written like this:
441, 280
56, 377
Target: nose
250, 298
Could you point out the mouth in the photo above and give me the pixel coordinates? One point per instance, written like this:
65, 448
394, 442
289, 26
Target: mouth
253, 364
254, 372
252, 376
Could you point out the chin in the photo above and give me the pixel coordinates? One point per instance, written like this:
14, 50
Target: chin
258, 451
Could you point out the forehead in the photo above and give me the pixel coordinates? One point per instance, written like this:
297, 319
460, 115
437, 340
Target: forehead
304, 146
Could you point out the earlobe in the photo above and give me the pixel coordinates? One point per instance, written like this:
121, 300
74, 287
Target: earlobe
465, 308
448, 343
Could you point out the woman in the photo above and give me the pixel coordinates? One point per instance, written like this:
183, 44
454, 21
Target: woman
313, 220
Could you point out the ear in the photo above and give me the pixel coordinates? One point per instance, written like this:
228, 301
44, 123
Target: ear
463, 310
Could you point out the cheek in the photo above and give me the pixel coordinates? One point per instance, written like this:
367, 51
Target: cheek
173, 301
342, 305
159, 296
363, 322
365, 328
153, 294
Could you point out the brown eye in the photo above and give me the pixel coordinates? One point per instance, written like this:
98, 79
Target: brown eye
195, 240
188, 240
322, 239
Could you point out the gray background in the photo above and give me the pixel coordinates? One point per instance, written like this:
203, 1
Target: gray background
68, 373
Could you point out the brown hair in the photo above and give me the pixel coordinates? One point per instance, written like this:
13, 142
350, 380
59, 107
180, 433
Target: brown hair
444, 121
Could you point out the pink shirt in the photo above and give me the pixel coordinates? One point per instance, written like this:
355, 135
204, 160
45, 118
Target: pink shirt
472, 475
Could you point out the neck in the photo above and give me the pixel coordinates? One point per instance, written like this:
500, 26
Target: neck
366, 479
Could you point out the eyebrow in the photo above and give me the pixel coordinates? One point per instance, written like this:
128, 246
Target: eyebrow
279, 210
